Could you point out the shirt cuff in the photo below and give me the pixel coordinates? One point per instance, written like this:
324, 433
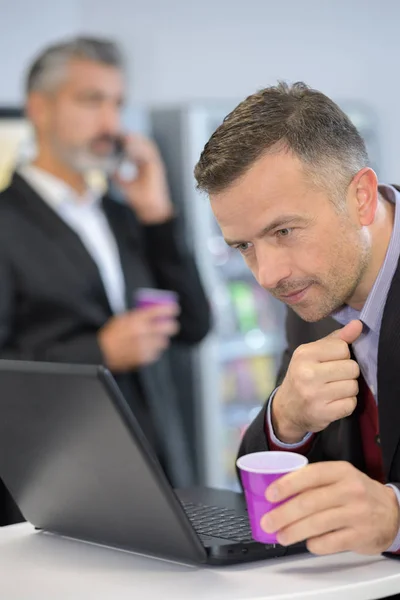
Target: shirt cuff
395, 547
271, 434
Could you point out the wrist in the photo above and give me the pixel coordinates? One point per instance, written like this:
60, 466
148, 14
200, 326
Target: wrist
103, 341
285, 430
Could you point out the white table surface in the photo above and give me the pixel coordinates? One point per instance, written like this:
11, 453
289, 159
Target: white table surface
39, 566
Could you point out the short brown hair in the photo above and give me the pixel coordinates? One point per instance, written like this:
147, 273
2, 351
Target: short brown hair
284, 117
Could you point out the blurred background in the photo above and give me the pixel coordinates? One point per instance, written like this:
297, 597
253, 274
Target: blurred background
189, 64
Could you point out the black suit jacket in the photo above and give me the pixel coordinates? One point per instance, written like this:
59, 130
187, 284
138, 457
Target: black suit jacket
53, 303
341, 440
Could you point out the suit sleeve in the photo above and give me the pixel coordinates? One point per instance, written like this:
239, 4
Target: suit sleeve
174, 268
7, 303
82, 348
9, 512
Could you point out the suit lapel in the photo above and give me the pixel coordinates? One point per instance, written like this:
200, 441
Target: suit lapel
389, 374
127, 234
75, 260
155, 379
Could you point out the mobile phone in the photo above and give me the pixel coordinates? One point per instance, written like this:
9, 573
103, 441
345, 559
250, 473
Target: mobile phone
127, 169
119, 149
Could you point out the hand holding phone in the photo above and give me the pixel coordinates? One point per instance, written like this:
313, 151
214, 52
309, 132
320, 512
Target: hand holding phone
147, 191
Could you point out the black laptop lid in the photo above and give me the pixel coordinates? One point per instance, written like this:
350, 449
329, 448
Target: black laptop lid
76, 462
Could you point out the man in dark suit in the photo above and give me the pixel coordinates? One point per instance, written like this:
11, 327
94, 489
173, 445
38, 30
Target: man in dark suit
289, 183
71, 258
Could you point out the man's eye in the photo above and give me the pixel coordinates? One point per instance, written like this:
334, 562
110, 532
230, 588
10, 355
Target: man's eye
284, 232
243, 247
91, 99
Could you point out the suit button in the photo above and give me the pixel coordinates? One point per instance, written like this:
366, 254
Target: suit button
378, 439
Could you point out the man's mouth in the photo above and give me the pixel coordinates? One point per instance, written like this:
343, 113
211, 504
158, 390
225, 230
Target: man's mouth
296, 296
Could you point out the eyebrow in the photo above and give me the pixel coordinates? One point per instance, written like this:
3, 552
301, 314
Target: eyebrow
278, 223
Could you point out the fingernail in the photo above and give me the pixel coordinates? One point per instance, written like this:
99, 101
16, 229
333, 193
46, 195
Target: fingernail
271, 494
281, 539
267, 524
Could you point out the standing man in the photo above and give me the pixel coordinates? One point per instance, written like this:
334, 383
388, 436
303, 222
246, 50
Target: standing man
71, 259
289, 183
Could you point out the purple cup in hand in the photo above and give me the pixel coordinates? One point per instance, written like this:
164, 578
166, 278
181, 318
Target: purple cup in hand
258, 471
149, 297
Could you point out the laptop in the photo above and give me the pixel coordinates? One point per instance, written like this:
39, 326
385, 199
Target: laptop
77, 464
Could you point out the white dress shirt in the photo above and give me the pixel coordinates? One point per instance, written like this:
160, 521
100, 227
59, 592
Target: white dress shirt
85, 216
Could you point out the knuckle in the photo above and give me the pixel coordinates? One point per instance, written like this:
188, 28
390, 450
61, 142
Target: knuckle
354, 387
350, 407
343, 414
306, 373
315, 545
356, 369
301, 352
305, 503
353, 404
343, 348
302, 503
357, 489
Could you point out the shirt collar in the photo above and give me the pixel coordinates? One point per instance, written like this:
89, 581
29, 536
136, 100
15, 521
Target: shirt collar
372, 311
55, 191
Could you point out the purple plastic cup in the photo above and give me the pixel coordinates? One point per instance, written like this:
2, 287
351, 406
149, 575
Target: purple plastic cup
258, 471
149, 297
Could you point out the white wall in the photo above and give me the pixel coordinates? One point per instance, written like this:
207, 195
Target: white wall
182, 50
25, 26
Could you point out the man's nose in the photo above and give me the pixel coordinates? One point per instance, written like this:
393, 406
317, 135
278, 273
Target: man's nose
110, 119
272, 268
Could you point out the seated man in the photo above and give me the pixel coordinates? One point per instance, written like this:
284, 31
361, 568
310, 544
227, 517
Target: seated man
71, 259
289, 183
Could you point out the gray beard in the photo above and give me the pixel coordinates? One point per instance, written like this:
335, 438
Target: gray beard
82, 161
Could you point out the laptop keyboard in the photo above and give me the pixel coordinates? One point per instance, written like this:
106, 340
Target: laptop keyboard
218, 522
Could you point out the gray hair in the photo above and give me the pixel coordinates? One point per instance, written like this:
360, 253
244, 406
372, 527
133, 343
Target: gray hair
48, 69
284, 117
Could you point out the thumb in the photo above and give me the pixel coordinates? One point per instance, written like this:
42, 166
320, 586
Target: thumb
349, 333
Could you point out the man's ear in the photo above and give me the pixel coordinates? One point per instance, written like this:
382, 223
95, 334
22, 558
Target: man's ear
37, 110
365, 195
